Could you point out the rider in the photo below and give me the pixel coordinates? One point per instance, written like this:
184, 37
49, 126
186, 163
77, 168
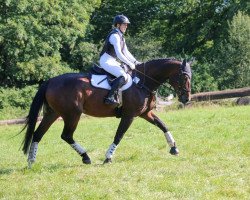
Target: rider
114, 53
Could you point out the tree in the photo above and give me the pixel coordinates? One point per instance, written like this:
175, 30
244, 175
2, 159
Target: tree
38, 37
173, 29
233, 60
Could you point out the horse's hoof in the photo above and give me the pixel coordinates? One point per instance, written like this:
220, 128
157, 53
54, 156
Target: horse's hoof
86, 159
107, 161
174, 151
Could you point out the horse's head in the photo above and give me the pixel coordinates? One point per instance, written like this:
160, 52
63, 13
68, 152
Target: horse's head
181, 82
154, 73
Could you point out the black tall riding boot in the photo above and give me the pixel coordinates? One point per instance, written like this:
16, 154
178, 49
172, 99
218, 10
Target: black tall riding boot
118, 83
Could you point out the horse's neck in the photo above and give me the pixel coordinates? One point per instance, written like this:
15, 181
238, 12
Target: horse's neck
156, 73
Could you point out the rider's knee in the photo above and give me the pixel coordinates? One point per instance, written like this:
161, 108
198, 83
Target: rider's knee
125, 77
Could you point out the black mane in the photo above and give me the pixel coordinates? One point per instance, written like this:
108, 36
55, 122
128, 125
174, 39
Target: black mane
161, 60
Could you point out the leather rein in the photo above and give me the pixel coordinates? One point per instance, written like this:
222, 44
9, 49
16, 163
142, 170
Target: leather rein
180, 80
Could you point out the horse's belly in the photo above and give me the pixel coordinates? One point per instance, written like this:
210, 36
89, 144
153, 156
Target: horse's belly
95, 112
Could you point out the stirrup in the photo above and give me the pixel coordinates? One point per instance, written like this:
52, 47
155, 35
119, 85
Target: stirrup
110, 101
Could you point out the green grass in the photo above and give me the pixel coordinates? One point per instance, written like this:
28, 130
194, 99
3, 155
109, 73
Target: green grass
214, 161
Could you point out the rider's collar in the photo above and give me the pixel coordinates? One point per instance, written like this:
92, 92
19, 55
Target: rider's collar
119, 31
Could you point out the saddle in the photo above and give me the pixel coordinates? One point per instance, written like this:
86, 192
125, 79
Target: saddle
96, 70
102, 79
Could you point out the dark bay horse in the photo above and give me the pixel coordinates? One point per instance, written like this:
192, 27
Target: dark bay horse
70, 95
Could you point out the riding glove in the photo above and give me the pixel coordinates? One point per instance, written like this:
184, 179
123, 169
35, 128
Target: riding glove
132, 66
137, 62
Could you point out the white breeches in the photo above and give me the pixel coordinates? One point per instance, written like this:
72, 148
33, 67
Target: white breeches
109, 64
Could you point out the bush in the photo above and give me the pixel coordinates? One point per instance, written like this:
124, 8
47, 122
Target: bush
37, 37
15, 102
41, 69
202, 79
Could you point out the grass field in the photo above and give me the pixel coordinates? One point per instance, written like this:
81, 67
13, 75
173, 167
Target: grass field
214, 160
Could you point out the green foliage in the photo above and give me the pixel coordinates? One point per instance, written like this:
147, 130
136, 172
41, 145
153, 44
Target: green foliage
12, 97
234, 54
170, 28
41, 68
139, 18
145, 46
34, 32
202, 79
84, 55
15, 103
41, 39
165, 90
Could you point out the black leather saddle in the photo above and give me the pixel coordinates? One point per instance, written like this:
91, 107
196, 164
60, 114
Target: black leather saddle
99, 71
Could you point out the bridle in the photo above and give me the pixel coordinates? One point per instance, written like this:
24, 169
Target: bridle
146, 76
181, 83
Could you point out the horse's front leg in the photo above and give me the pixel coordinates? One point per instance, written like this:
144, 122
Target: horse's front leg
152, 118
122, 128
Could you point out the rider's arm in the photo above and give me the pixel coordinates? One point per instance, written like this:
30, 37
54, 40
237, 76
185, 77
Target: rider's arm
128, 54
114, 39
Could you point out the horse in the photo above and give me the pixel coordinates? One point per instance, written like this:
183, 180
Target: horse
71, 94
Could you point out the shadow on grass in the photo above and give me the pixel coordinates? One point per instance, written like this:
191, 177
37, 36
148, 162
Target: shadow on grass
6, 171
51, 168
9, 171
38, 168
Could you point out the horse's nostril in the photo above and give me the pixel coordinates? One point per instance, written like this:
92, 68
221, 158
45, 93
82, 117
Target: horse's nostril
184, 99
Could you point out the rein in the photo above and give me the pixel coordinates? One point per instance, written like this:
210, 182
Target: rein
144, 77
181, 83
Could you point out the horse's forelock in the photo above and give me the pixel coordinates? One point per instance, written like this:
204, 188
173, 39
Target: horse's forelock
186, 69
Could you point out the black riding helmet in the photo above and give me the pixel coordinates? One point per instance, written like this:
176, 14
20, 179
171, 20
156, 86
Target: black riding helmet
121, 19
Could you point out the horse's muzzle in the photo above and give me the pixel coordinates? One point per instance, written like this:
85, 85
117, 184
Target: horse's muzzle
184, 99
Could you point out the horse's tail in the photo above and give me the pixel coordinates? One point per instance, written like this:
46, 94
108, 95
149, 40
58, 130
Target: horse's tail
31, 119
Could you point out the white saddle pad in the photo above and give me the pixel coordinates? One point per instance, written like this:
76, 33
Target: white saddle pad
100, 81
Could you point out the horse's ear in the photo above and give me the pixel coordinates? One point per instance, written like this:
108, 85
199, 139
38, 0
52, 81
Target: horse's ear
186, 69
184, 62
192, 60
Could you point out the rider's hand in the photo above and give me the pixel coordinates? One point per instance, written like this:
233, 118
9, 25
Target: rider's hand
137, 62
132, 66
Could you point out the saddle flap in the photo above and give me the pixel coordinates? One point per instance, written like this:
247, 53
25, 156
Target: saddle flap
101, 81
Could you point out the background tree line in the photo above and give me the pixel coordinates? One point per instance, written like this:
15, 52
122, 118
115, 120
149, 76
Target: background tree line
40, 39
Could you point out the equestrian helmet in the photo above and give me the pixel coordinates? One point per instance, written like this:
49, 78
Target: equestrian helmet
121, 19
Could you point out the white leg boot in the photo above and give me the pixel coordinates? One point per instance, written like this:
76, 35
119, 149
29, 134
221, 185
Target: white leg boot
110, 152
171, 143
32, 154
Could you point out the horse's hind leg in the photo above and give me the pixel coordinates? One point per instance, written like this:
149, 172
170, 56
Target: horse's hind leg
49, 117
122, 128
70, 124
